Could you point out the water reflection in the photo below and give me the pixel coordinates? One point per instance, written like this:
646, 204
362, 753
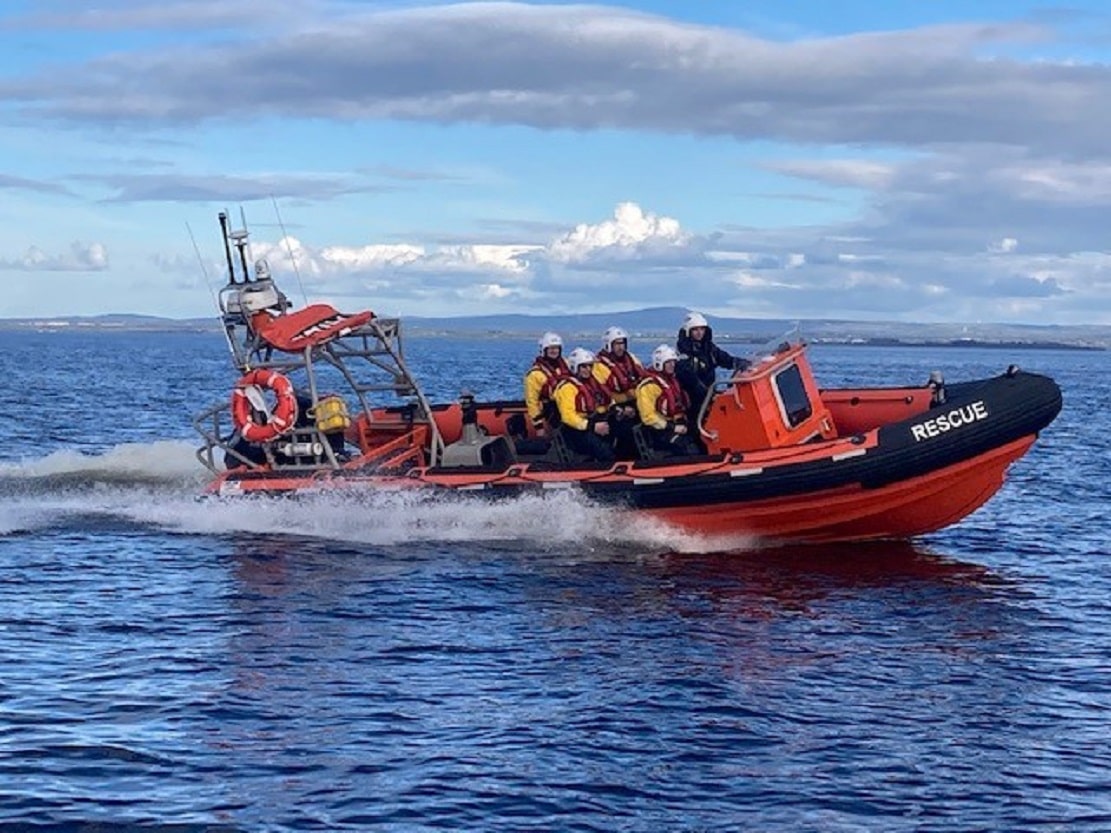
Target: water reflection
796, 574
370, 657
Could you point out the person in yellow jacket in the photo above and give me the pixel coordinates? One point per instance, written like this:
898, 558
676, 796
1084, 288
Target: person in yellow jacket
584, 408
663, 406
540, 381
619, 371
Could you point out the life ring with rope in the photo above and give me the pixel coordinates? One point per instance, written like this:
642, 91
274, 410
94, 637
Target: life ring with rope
281, 418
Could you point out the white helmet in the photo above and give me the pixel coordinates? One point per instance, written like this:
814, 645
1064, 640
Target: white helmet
550, 339
694, 319
663, 354
579, 356
613, 334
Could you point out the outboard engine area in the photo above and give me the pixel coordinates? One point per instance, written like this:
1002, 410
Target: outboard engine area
475, 447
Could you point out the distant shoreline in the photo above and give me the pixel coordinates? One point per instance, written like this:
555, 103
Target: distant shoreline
970, 342
199, 327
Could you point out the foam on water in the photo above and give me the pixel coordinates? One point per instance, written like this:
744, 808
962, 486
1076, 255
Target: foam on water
159, 485
169, 461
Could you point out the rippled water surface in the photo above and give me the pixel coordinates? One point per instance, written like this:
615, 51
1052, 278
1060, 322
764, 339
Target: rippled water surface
390, 663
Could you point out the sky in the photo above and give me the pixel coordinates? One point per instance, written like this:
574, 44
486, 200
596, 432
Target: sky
933, 162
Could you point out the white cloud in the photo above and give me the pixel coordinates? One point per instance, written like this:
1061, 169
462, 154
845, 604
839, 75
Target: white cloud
493, 290
367, 258
92, 257
373, 266
849, 173
632, 235
617, 263
870, 280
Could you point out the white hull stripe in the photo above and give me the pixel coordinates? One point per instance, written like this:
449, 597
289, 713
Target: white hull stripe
745, 472
556, 485
848, 455
647, 481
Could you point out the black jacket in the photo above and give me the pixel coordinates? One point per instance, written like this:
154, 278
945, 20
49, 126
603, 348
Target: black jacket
697, 363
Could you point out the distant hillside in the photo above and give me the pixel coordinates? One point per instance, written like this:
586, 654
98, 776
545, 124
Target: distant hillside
663, 322
654, 322
115, 322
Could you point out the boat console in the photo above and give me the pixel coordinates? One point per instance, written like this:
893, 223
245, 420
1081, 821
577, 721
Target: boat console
773, 403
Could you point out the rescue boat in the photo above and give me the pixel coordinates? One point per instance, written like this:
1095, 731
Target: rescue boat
785, 459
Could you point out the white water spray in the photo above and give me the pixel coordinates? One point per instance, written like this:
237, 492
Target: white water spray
158, 485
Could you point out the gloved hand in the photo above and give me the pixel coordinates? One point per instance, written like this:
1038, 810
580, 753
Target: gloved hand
741, 364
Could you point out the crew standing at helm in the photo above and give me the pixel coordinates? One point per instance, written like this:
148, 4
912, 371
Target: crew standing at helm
699, 359
540, 381
663, 406
584, 407
618, 371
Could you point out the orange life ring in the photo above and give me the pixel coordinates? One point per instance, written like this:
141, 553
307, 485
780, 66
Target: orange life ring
281, 418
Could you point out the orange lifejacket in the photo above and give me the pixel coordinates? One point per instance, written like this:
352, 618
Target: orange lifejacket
625, 372
591, 399
553, 372
673, 402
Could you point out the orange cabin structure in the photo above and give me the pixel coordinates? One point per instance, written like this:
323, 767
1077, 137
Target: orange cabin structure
774, 403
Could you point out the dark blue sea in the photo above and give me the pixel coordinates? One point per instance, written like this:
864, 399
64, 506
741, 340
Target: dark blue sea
540, 665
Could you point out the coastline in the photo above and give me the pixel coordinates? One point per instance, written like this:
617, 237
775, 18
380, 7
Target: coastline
1095, 338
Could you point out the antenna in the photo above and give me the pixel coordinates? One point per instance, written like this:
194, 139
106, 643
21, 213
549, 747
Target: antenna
227, 245
240, 238
200, 261
208, 282
289, 250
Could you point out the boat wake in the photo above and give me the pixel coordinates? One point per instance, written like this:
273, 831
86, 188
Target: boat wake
170, 463
157, 486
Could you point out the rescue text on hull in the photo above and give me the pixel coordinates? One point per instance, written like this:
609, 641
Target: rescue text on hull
784, 459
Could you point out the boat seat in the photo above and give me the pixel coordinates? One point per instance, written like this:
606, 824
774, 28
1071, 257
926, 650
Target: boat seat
563, 453
645, 451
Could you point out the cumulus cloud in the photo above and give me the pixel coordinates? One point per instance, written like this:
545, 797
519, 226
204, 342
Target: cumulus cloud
92, 257
632, 235
616, 263
347, 270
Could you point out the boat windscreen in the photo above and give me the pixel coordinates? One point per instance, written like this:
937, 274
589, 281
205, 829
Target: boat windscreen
792, 393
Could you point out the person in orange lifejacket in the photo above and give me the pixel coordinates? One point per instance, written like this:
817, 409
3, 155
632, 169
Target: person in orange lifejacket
540, 381
618, 371
663, 406
584, 407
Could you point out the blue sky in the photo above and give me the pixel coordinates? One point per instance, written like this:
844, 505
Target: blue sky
863, 160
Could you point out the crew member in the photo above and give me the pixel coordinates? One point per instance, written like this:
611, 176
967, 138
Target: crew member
699, 359
618, 371
540, 381
584, 408
663, 406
